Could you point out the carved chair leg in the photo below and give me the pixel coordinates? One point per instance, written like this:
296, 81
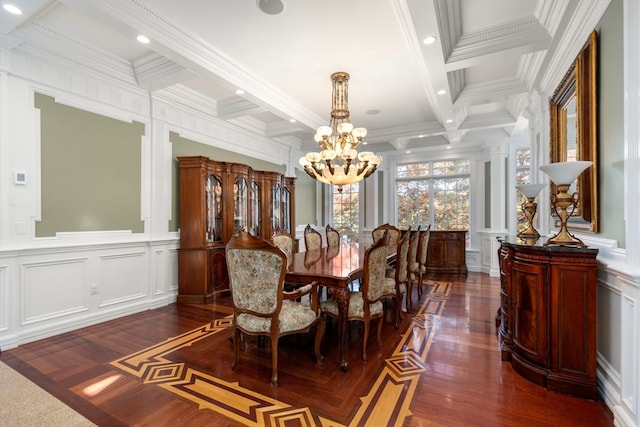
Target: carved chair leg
409, 299
365, 338
398, 302
380, 322
274, 361
320, 326
236, 349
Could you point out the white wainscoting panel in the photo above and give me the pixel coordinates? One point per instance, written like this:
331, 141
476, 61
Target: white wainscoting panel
122, 277
53, 289
4, 299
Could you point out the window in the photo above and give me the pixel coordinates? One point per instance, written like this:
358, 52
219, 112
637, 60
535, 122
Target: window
523, 176
435, 192
345, 211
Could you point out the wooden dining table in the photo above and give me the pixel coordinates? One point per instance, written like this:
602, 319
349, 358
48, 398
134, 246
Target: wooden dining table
333, 267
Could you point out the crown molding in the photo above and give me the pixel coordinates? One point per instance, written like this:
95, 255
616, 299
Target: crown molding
185, 48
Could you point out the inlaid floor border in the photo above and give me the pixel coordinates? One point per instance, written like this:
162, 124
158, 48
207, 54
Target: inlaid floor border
387, 402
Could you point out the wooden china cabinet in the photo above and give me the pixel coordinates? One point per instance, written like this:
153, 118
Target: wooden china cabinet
547, 314
217, 199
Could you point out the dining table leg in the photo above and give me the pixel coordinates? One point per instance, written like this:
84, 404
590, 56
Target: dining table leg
341, 295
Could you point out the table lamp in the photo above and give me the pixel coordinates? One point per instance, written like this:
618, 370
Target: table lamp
563, 174
530, 191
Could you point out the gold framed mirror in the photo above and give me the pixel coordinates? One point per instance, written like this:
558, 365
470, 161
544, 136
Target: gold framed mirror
574, 131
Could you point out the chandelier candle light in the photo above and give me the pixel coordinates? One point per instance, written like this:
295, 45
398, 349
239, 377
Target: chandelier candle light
563, 174
339, 163
530, 191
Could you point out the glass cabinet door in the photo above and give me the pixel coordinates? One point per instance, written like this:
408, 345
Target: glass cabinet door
213, 191
255, 219
240, 201
286, 211
275, 208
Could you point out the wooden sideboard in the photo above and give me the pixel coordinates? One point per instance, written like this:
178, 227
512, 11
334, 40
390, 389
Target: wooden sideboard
447, 252
216, 199
547, 314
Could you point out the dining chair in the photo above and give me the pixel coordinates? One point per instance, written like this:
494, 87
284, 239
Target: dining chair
286, 242
333, 236
394, 235
423, 247
312, 238
412, 263
366, 304
395, 284
261, 307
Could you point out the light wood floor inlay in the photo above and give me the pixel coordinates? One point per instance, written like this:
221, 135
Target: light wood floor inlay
387, 402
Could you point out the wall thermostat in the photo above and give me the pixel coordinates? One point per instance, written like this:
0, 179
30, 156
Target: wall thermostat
20, 177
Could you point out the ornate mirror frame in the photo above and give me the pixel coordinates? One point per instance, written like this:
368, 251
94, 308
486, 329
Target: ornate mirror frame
579, 90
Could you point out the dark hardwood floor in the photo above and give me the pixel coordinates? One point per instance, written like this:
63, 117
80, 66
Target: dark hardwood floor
172, 367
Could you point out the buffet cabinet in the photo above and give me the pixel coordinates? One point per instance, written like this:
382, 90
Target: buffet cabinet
547, 315
216, 200
447, 252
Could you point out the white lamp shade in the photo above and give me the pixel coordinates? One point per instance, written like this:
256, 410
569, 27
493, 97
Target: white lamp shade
564, 172
530, 190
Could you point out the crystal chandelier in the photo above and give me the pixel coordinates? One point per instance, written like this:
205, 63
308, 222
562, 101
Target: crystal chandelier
339, 163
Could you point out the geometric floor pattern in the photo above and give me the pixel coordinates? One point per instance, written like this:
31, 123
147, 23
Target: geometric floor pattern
386, 403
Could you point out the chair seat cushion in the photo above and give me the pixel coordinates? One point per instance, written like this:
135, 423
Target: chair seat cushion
356, 306
390, 287
294, 316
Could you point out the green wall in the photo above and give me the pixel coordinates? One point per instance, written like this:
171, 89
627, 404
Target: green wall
305, 198
611, 124
90, 171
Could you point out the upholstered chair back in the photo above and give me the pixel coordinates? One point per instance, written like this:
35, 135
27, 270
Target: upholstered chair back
375, 269
394, 235
333, 236
256, 277
285, 242
312, 239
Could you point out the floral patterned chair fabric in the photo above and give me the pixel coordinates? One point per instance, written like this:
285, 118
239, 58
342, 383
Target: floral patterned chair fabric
395, 284
333, 236
423, 247
394, 235
367, 303
260, 306
412, 263
312, 239
286, 242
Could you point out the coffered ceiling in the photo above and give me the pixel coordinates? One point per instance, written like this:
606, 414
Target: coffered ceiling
490, 56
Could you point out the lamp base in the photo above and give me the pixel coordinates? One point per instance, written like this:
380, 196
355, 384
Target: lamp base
564, 238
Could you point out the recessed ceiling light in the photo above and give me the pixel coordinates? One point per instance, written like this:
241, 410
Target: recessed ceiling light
441, 92
292, 120
12, 9
449, 147
143, 39
429, 40
449, 121
420, 136
408, 152
271, 7
239, 92
364, 142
